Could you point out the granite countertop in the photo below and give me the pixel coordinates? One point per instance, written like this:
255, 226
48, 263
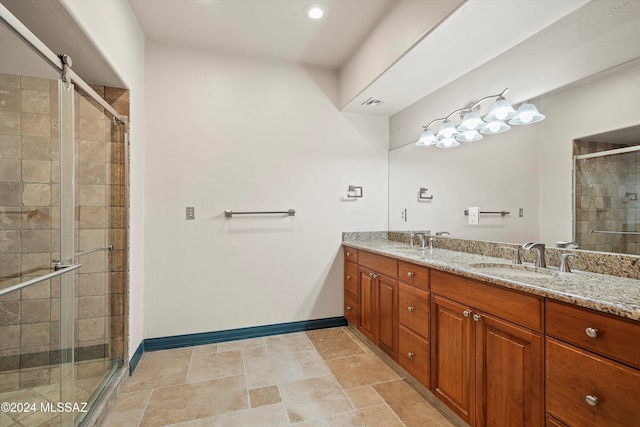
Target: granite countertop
609, 294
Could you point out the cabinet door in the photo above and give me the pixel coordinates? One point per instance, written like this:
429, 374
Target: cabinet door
508, 374
387, 315
452, 355
414, 355
367, 304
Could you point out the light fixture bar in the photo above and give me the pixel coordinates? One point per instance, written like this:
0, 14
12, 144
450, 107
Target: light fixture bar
472, 125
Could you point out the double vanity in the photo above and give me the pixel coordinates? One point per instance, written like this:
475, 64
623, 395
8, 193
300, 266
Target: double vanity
499, 343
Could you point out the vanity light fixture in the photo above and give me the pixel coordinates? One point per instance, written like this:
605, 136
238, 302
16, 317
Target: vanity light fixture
473, 126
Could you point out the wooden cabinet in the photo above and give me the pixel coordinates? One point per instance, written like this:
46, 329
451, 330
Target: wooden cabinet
351, 287
487, 369
377, 301
591, 375
414, 307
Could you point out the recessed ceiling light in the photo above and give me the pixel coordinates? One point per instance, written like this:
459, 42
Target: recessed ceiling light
315, 12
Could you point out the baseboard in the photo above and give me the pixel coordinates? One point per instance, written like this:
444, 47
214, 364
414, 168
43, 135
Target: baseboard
188, 340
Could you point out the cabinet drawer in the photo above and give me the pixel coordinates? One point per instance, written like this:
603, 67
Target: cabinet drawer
614, 337
351, 309
414, 274
351, 278
573, 374
414, 307
350, 254
378, 263
515, 306
414, 355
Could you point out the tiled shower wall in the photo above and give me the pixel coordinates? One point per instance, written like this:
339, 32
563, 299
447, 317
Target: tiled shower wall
29, 234
607, 199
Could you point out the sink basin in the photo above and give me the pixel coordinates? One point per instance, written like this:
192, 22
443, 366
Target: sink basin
515, 270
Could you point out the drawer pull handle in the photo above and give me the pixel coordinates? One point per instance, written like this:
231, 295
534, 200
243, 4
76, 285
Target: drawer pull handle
410, 308
477, 317
348, 307
410, 274
348, 253
348, 277
466, 313
410, 355
591, 400
374, 275
591, 333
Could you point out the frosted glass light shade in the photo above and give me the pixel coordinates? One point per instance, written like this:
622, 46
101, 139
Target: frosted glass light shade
447, 130
471, 121
527, 114
469, 136
493, 127
447, 143
426, 138
500, 110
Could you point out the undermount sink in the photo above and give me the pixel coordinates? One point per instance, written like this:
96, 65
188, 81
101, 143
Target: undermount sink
515, 270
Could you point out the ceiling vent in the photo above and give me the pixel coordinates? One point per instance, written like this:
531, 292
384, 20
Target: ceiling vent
372, 102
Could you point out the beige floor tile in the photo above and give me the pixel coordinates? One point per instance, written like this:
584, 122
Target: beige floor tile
264, 416
412, 409
362, 397
314, 398
205, 348
5, 421
332, 343
186, 402
160, 369
131, 401
207, 366
320, 422
357, 371
288, 343
240, 344
312, 364
378, 416
264, 370
123, 419
202, 422
264, 396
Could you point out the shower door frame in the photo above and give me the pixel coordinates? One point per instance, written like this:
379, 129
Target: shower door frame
67, 262
605, 153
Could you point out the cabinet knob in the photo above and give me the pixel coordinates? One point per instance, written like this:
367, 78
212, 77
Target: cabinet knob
410, 274
466, 313
348, 307
370, 274
591, 400
410, 355
591, 332
348, 277
410, 308
374, 275
477, 317
348, 253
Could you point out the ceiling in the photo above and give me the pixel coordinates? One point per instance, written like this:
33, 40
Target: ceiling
531, 46
277, 29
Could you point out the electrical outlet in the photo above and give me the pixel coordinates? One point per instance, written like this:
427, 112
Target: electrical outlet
191, 213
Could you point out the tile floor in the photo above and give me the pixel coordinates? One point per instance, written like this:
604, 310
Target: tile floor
321, 378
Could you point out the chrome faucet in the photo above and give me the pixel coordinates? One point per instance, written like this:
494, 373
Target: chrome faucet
516, 254
423, 239
539, 248
564, 262
442, 233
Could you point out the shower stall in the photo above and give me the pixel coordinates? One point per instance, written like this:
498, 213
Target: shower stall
63, 234
606, 205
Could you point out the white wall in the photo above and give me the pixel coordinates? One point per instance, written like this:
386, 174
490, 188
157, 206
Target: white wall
227, 132
112, 26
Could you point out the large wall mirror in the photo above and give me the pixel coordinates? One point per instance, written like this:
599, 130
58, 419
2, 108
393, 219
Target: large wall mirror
529, 173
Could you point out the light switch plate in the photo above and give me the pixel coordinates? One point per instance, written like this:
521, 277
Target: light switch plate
191, 213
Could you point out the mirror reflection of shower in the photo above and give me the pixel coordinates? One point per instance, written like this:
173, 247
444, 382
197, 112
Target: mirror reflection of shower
606, 187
